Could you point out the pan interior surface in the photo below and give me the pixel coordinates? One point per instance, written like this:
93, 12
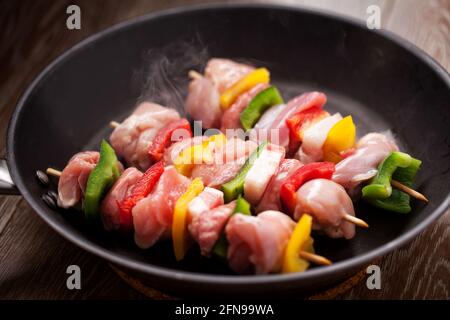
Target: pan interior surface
380, 83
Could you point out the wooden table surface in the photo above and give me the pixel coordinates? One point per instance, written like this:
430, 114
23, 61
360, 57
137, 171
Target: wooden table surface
33, 258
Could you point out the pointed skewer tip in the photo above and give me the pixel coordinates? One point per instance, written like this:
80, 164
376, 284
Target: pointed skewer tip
413, 193
194, 74
53, 172
359, 222
311, 257
114, 124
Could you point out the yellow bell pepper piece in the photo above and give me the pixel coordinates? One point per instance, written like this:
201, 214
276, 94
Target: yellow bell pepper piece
197, 154
218, 139
300, 241
190, 156
180, 235
247, 82
216, 142
341, 137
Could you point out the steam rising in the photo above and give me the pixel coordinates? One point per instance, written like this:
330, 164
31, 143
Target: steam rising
165, 73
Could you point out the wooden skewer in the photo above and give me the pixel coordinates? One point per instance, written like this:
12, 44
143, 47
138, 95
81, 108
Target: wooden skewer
53, 172
413, 193
194, 74
352, 219
311, 257
114, 124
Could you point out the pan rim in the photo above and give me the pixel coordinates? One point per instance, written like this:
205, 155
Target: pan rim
204, 278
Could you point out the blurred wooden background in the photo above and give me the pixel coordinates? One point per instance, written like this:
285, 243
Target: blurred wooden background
33, 258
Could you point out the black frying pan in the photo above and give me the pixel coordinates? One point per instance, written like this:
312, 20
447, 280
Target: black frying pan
383, 81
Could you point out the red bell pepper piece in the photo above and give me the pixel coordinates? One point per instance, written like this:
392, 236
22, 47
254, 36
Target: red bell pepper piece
165, 137
347, 153
311, 171
140, 190
299, 122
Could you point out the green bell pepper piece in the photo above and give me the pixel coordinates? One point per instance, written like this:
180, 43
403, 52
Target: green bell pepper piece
258, 105
397, 201
105, 173
380, 186
221, 246
233, 188
242, 206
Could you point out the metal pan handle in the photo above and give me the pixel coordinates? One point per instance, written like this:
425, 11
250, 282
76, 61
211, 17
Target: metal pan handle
7, 186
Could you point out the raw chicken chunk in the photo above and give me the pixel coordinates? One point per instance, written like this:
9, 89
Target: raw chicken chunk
271, 197
152, 216
132, 138
73, 179
208, 199
314, 138
120, 190
363, 163
203, 102
228, 160
261, 172
327, 202
277, 131
207, 227
171, 153
230, 118
256, 244
224, 73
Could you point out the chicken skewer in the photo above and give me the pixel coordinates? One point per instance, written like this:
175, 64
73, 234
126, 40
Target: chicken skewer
301, 104
413, 193
208, 217
350, 218
51, 171
54, 172
297, 105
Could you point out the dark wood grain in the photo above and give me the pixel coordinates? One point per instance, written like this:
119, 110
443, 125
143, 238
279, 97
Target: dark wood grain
33, 258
